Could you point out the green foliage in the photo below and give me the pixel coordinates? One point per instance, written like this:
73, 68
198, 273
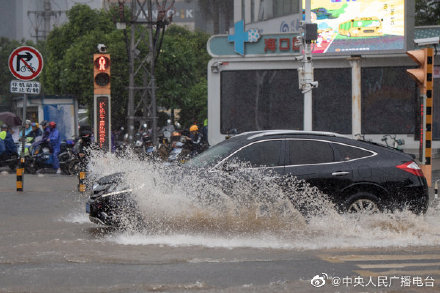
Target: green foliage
427, 12
69, 57
181, 70
69, 68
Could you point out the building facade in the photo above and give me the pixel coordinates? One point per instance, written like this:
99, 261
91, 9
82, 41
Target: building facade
362, 89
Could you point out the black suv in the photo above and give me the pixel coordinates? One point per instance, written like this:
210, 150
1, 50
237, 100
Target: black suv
357, 175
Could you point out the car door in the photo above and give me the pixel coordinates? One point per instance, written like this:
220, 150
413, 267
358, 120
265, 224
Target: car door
314, 160
256, 163
265, 155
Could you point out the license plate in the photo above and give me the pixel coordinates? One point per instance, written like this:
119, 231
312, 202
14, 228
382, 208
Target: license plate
87, 207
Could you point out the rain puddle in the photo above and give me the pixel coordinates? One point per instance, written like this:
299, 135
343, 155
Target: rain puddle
182, 208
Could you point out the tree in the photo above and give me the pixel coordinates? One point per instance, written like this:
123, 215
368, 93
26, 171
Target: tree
69, 57
427, 12
181, 71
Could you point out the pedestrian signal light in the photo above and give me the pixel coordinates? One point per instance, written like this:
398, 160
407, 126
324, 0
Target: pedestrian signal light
101, 74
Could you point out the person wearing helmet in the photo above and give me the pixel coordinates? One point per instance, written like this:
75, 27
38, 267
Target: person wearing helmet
195, 137
36, 131
55, 143
46, 130
27, 129
9, 147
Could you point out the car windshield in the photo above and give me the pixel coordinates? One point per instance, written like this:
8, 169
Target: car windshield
213, 154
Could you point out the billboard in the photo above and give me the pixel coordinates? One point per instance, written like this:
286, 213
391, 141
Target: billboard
358, 26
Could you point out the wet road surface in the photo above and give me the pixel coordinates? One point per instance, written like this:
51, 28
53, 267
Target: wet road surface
47, 244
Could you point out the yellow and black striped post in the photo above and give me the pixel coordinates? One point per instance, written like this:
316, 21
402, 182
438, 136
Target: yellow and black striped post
20, 174
429, 53
82, 181
424, 78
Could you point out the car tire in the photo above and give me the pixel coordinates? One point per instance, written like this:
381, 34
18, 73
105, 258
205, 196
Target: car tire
362, 202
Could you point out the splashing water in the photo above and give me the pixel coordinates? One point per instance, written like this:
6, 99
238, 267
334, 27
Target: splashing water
180, 207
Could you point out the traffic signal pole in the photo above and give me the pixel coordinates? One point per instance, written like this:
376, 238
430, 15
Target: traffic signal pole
308, 75
424, 78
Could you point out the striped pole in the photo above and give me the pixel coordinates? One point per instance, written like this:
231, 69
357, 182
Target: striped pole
82, 181
20, 174
428, 89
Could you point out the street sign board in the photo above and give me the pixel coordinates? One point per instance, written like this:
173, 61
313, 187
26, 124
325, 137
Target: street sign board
25, 63
25, 87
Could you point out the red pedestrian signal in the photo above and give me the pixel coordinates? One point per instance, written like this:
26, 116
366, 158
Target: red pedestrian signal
101, 74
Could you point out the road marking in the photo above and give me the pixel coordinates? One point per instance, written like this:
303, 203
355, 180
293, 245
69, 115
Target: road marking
377, 257
366, 273
374, 265
398, 265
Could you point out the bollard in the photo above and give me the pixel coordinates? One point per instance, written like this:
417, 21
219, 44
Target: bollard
20, 173
82, 180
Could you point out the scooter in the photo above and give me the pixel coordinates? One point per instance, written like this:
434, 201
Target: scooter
40, 157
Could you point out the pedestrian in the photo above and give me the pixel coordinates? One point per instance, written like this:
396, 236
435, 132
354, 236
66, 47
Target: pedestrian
9, 146
55, 143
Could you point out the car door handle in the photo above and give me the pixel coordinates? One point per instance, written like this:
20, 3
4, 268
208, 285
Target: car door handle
340, 173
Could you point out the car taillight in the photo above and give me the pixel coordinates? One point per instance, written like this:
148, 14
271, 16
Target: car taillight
412, 168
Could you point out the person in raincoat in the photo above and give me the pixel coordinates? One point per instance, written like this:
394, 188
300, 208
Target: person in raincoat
55, 143
9, 146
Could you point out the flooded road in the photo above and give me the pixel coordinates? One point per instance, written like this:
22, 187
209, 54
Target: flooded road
47, 244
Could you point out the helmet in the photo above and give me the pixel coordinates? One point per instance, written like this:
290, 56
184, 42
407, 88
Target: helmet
52, 124
28, 122
194, 128
4, 126
33, 124
43, 123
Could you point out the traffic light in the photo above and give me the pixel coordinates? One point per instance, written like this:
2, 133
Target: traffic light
101, 74
423, 74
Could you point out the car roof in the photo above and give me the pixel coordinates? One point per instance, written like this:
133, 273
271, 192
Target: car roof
255, 134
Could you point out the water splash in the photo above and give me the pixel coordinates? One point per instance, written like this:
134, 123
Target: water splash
180, 207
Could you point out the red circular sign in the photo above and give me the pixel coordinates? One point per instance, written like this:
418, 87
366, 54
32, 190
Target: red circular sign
25, 63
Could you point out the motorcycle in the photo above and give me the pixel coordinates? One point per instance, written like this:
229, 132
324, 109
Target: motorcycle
40, 157
9, 160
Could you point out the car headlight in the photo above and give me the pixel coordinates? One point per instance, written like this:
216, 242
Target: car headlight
97, 187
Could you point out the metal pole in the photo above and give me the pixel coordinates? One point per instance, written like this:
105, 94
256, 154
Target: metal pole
153, 80
308, 76
23, 133
356, 110
130, 106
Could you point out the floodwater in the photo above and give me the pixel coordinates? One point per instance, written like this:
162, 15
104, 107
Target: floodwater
196, 237
194, 210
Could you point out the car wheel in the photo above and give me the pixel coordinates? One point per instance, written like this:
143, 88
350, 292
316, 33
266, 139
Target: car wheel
363, 202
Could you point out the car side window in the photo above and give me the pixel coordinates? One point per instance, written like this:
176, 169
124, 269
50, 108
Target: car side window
260, 154
347, 153
302, 152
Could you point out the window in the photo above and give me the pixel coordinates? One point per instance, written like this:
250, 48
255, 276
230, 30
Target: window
303, 152
260, 100
389, 103
347, 153
260, 154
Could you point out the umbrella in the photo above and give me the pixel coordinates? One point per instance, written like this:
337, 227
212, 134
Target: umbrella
10, 119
